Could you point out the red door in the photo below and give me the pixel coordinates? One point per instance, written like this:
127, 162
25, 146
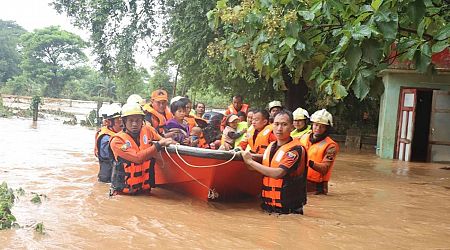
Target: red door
439, 145
405, 123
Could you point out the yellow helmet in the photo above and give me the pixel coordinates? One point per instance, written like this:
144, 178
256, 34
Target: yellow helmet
132, 109
113, 111
323, 117
274, 104
300, 114
136, 99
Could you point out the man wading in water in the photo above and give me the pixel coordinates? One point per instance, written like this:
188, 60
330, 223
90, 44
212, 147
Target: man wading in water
284, 169
133, 149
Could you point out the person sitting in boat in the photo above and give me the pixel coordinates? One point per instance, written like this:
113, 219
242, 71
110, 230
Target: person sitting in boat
156, 112
102, 149
191, 119
200, 109
230, 133
197, 138
301, 125
322, 151
284, 169
177, 126
212, 132
261, 135
133, 149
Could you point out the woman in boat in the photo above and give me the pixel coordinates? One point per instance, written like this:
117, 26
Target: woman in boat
284, 169
177, 126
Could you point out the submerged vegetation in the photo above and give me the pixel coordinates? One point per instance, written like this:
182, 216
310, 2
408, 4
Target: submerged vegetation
7, 198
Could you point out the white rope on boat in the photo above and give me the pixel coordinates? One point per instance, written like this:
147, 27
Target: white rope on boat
212, 194
205, 166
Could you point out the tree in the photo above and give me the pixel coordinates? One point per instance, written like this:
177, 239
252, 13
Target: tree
9, 56
339, 45
52, 57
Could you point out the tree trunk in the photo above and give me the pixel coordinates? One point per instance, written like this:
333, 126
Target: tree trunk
295, 96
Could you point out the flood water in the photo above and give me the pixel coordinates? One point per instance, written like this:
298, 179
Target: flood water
372, 204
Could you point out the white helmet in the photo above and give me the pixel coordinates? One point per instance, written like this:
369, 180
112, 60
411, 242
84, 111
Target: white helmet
132, 109
136, 99
274, 104
176, 98
323, 117
113, 111
103, 110
300, 114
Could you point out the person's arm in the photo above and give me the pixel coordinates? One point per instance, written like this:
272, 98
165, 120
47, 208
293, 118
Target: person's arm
234, 135
276, 173
120, 149
324, 166
104, 151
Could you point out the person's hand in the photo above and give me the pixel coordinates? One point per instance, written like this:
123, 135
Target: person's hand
246, 156
166, 142
244, 131
186, 141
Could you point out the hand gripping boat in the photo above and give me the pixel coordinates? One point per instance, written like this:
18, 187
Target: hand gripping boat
206, 174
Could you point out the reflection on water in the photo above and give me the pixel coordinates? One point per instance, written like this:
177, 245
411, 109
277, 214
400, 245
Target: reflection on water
373, 203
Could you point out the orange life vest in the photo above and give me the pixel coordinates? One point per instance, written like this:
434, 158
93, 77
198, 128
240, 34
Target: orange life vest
316, 153
100, 133
288, 192
129, 177
232, 110
262, 139
157, 119
190, 121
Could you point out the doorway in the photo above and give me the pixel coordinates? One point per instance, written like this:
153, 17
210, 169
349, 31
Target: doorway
413, 124
419, 147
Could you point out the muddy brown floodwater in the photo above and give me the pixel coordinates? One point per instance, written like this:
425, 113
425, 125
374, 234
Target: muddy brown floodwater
373, 204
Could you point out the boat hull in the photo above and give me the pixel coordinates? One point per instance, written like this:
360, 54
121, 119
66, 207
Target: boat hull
211, 173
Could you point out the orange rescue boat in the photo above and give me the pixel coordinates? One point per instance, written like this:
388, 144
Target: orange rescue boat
206, 174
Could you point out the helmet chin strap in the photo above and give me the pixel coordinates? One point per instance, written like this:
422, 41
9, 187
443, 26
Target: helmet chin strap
314, 139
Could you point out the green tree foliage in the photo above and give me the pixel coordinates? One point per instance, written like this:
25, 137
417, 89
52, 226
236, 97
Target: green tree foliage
9, 56
51, 58
339, 45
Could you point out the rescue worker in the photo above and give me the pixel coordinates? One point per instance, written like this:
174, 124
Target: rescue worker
322, 151
157, 112
102, 149
133, 149
301, 125
261, 135
284, 169
274, 107
237, 106
101, 119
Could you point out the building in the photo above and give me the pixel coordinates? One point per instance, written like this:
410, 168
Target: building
414, 121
